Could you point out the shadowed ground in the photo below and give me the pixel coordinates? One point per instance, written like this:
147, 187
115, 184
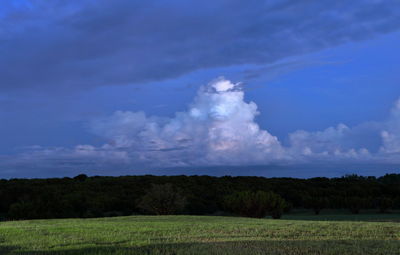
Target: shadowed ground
245, 247
344, 215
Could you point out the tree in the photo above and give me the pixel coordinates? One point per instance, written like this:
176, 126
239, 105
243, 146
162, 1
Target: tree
276, 206
248, 204
80, 177
162, 199
255, 204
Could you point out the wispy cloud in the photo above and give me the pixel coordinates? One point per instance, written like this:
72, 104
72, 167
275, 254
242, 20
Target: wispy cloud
80, 44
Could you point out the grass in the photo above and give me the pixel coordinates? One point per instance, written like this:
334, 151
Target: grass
299, 233
343, 215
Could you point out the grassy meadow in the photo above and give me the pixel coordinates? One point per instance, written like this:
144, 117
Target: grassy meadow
297, 233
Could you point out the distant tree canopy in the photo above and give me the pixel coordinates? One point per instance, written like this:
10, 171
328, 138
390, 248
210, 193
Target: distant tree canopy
97, 196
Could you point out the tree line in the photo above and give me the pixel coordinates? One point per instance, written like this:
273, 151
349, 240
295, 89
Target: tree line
98, 196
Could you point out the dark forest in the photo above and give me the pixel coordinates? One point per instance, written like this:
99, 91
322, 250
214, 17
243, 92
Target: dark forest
98, 196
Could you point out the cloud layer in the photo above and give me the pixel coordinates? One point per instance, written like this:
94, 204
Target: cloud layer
79, 44
217, 129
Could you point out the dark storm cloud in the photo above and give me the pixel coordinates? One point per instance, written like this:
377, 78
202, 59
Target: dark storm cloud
80, 44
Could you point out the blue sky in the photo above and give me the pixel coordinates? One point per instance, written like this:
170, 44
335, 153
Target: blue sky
96, 86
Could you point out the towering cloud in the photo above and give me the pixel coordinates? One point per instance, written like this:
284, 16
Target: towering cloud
218, 128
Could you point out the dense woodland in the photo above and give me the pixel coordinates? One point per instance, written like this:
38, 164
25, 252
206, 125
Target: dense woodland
98, 196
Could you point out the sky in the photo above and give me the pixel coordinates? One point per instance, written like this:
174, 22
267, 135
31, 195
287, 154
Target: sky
279, 88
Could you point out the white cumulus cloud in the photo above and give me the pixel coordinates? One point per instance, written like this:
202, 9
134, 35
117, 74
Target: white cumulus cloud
332, 142
217, 128
391, 132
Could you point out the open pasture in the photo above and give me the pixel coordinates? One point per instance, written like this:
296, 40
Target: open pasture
294, 234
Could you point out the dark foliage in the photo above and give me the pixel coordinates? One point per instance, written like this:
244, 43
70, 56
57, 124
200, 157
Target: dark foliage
96, 196
276, 205
247, 204
316, 203
355, 204
384, 204
255, 204
162, 199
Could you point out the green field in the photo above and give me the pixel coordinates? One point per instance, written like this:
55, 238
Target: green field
298, 233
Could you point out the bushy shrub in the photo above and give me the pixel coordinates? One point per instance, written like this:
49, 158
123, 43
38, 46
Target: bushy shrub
162, 200
276, 206
248, 204
255, 204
